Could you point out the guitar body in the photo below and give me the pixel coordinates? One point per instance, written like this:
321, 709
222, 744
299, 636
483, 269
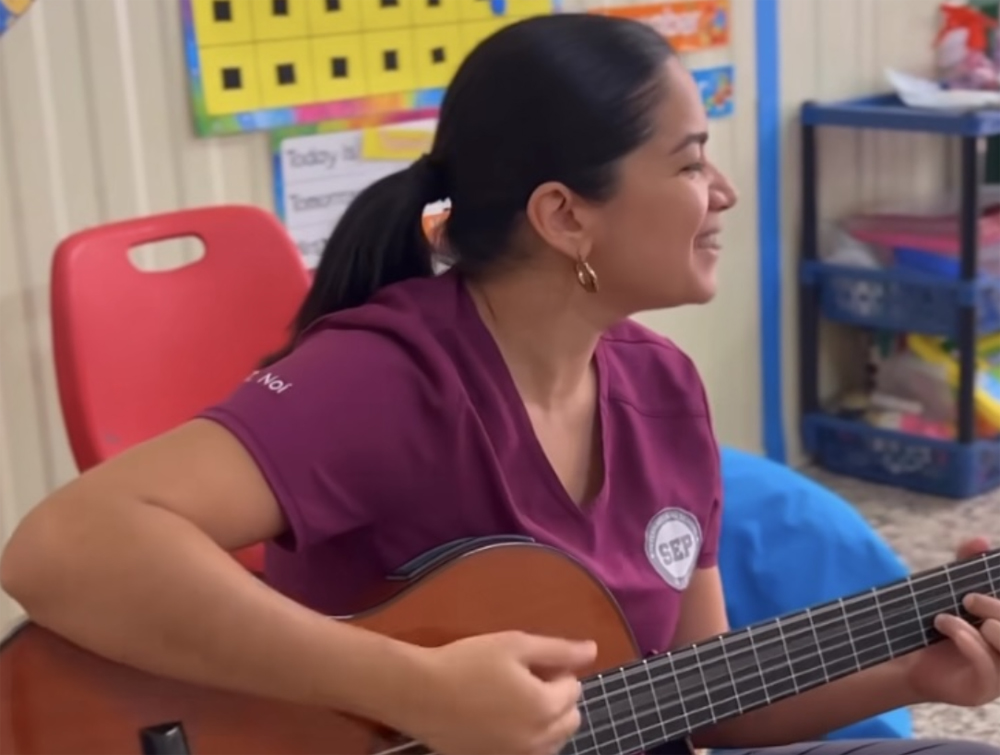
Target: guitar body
57, 698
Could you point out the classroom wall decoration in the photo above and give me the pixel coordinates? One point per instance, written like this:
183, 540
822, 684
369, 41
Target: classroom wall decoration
264, 64
10, 11
319, 169
716, 85
689, 25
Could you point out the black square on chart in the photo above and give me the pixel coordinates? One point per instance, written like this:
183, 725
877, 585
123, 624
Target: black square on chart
222, 10
338, 68
433, 3
232, 78
286, 73
279, 7
390, 3
390, 60
332, 6
437, 55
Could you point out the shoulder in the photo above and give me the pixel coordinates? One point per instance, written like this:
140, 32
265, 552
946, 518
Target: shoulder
651, 373
382, 360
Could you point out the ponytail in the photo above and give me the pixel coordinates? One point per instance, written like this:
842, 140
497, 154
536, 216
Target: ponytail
379, 240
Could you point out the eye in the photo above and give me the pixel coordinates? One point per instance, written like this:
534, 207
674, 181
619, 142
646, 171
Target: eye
696, 167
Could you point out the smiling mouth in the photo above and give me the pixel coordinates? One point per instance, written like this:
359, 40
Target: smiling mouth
709, 240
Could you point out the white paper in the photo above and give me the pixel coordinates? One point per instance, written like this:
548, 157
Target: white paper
919, 92
320, 175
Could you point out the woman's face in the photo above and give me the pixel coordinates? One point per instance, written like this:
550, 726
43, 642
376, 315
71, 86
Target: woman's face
656, 242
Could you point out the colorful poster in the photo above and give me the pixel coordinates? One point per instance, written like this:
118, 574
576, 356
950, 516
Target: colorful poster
319, 170
689, 25
716, 85
10, 11
265, 64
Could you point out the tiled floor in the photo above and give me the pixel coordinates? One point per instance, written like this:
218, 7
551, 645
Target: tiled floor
925, 531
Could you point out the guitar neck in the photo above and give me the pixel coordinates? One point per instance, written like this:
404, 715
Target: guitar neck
668, 696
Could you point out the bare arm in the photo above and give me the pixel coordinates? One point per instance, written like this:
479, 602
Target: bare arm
801, 718
130, 562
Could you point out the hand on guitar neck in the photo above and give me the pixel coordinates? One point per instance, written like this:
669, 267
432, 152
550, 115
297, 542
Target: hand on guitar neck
965, 671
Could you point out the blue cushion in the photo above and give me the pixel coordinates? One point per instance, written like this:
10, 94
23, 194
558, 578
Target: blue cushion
788, 543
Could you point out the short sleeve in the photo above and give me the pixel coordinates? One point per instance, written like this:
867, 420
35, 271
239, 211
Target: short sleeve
712, 526
334, 428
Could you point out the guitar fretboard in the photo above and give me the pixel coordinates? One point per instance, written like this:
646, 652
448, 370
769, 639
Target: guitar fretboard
669, 696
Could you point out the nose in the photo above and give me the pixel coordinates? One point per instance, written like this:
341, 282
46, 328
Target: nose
722, 194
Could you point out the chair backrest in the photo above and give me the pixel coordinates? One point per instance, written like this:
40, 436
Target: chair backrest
139, 352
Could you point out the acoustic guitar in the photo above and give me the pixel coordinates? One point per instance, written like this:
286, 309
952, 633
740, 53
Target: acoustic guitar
57, 698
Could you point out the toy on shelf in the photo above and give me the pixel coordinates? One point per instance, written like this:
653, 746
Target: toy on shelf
920, 239
963, 49
914, 386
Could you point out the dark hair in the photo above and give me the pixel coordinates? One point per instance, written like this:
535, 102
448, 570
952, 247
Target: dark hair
552, 98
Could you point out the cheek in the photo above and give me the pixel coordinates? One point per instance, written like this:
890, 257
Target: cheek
666, 221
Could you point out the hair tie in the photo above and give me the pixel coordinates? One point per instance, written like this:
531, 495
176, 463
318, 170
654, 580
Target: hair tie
432, 177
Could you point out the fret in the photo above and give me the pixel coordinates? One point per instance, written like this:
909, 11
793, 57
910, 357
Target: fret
586, 735
746, 671
709, 703
621, 731
821, 661
669, 700
868, 633
776, 668
989, 575
956, 603
643, 698
926, 627
836, 646
898, 611
726, 699
788, 656
967, 579
934, 592
801, 645
687, 672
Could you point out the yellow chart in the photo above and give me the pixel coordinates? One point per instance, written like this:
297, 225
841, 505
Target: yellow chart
300, 59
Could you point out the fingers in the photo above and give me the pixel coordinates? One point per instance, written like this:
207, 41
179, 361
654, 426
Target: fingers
990, 630
973, 547
561, 730
557, 654
982, 606
971, 644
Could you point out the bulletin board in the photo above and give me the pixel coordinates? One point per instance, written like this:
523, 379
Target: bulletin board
264, 64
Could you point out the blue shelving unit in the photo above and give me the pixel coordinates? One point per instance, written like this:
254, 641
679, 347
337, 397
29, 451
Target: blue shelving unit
903, 301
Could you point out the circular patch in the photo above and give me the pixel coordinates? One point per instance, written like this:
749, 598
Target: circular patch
673, 542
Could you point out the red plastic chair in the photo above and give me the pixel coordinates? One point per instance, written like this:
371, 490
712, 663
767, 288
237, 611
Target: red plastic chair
140, 352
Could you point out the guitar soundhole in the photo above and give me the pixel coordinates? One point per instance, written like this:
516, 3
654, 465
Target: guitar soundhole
164, 739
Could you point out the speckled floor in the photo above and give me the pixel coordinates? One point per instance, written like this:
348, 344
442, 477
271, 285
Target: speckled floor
924, 531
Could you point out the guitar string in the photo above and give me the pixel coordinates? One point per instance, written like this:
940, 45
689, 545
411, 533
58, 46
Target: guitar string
991, 570
949, 573
665, 723
732, 680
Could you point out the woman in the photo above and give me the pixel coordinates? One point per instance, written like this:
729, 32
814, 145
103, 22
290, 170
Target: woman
511, 394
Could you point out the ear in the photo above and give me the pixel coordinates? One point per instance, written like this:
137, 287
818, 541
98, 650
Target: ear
559, 218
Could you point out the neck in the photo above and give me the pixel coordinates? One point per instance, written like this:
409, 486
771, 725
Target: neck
543, 329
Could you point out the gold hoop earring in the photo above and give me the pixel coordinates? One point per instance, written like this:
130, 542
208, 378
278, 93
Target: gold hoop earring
587, 277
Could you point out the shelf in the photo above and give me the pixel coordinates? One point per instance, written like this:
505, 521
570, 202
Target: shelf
901, 300
887, 112
927, 465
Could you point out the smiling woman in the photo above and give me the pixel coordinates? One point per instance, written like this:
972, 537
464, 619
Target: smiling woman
511, 395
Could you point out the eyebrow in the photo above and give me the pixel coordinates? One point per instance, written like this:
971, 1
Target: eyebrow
699, 138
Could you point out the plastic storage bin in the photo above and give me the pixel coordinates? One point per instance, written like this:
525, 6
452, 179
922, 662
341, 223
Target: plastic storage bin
901, 300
